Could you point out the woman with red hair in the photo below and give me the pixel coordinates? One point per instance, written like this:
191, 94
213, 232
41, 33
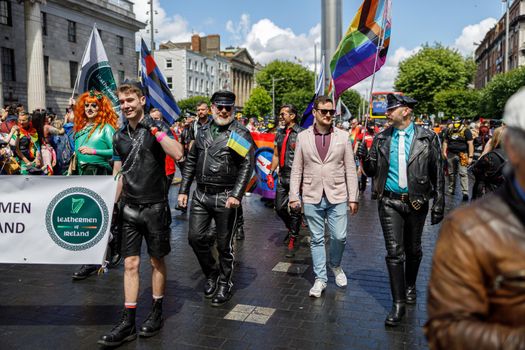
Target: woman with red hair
95, 124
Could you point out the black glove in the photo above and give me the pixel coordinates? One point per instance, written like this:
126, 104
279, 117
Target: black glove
436, 217
362, 152
148, 122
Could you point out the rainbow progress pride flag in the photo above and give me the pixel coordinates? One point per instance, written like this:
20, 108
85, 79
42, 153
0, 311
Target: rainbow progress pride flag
355, 57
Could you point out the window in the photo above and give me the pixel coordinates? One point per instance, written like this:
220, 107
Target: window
211, 70
72, 32
189, 64
195, 63
44, 23
8, 64
212, 87
190, 85
46, 70
73, 70
120, 45
169, 81
5, 12
169, 63
202, 67
201, 85
121, 76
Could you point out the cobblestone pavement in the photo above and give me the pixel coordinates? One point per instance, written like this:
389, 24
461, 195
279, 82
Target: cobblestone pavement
42, 308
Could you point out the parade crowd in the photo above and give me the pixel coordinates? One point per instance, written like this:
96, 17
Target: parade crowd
477, 287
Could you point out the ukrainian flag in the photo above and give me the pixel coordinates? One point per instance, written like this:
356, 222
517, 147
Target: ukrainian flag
239, 144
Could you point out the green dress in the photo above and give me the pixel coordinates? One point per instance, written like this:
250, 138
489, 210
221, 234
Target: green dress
102, 141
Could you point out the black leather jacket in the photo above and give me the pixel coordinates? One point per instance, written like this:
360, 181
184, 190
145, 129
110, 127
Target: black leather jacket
286, 170
426, 179
213, 163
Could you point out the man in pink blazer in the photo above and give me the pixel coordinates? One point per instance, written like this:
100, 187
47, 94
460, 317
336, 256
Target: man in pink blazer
324, 172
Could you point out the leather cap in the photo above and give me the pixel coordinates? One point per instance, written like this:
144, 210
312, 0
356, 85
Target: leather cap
223, 97
394, 101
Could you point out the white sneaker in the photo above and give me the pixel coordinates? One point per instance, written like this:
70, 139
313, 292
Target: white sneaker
318, 288
340, 277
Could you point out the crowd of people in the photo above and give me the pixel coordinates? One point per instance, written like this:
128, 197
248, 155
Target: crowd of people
321, 172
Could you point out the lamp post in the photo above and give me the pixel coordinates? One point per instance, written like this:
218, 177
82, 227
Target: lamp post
506, 58
273, 94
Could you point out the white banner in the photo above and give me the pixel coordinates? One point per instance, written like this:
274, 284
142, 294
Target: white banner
55, 219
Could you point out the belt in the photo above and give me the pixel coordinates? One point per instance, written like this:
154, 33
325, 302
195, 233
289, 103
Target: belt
399, 196
211, 189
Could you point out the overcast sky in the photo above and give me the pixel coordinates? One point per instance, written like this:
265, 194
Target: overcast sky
288, 29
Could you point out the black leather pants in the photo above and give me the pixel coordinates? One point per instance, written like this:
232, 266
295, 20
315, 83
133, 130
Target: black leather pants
206, 207
291, 219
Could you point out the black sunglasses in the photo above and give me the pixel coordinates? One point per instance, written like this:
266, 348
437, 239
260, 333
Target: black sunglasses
93, 105
326, 111
228, 108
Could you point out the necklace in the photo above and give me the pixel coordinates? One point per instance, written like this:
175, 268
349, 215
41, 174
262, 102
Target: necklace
134, 152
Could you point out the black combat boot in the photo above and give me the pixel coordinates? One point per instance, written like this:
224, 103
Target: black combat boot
124, 331
154, 321
210, 287
411, 269
222, 295
397, 286
85, 271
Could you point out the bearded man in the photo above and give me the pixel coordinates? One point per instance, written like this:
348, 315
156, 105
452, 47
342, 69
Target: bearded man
221, 160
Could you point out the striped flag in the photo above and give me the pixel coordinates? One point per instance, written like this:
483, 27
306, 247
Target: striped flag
308, 118
364, 47
157, 92
239, 144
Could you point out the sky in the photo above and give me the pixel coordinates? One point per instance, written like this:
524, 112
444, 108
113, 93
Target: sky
288, 29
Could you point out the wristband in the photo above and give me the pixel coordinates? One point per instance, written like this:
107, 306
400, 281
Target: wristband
154, 130
94, 151
161, 136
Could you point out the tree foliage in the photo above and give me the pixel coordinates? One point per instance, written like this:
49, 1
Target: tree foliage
461, 103
190, 104
497, 92
288, 77
299, 98
431, 70
353, 101
259, 104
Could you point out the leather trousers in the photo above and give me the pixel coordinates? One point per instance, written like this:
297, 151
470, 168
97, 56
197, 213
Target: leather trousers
206, 207
292, 219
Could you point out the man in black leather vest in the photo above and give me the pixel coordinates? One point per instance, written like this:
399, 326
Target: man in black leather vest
405, 162
222, 161
283, 155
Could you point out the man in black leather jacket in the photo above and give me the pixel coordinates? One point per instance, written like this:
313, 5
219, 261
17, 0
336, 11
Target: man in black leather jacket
283, 155
222, 161
405, 182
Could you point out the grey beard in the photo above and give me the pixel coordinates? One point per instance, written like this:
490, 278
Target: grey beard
221, 121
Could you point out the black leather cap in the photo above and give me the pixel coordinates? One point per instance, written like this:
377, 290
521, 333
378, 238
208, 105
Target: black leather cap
223, 97
394, 101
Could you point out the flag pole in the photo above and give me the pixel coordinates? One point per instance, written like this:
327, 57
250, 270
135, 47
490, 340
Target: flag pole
75, 86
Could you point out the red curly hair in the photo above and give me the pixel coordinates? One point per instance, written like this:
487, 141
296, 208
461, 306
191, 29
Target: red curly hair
105, 115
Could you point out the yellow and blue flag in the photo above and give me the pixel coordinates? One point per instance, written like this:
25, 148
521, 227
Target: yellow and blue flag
239, 144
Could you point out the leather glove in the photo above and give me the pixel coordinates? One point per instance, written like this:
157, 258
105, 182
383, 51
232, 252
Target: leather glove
362, 152
148, 122
270, 181
436, 217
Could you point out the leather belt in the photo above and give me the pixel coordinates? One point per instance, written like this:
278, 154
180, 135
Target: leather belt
403, 197
210, 189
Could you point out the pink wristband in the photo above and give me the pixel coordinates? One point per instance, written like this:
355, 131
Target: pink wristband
161, 136
94, 151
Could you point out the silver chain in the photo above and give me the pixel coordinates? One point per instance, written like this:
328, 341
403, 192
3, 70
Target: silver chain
133, 154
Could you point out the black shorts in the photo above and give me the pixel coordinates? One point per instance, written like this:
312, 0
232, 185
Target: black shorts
151, 221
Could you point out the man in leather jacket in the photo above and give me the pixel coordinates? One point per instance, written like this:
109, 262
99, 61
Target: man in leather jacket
476, 295
283, 155
222, 161
405, 162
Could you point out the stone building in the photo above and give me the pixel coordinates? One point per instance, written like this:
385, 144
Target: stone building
42, 71
243, 72
490, 54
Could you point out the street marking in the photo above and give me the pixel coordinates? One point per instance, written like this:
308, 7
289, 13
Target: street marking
250, 313
290, 268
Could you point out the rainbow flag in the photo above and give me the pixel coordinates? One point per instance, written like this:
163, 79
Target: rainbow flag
367, 37
263, 161
239, 144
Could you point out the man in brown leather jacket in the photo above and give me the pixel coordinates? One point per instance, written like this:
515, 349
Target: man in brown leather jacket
476, 296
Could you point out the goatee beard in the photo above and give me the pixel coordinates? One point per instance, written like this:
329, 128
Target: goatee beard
221, 121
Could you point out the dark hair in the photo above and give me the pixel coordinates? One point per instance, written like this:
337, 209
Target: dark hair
322, 99
201, 102
292, 110
38, 119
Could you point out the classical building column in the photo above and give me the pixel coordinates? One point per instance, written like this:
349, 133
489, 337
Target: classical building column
36, 85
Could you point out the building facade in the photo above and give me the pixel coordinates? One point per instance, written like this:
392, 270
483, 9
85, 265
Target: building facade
490, 54
42, 73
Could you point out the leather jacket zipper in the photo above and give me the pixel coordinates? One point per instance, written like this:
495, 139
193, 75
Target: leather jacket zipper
204, 162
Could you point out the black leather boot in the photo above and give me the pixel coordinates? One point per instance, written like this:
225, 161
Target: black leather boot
293, 243
397, 286
124, 331
210, 286
85, 271
411, 269
222, 295
154, 321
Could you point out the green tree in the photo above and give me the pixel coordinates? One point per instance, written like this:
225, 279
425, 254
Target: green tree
353, 101
190, 104
461, 103
288, 77
431, 70
259, 104
299, 98
498, 90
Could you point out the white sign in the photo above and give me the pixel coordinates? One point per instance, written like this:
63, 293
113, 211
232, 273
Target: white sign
55, 219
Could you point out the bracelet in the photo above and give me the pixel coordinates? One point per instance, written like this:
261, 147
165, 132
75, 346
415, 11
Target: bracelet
161, 136
94, 151
154, 130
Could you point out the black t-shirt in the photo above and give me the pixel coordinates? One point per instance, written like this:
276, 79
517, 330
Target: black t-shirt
457, 139
144, 180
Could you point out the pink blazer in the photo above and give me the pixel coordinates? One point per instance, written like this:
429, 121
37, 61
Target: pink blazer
336, 176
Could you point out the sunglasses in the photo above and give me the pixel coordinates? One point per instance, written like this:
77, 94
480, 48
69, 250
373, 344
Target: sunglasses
326, 111
92, 105
228, 108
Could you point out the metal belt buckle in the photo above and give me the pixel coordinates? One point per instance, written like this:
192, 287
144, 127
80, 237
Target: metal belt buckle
416, 204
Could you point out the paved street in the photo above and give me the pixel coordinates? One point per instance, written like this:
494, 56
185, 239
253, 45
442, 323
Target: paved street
41, 308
